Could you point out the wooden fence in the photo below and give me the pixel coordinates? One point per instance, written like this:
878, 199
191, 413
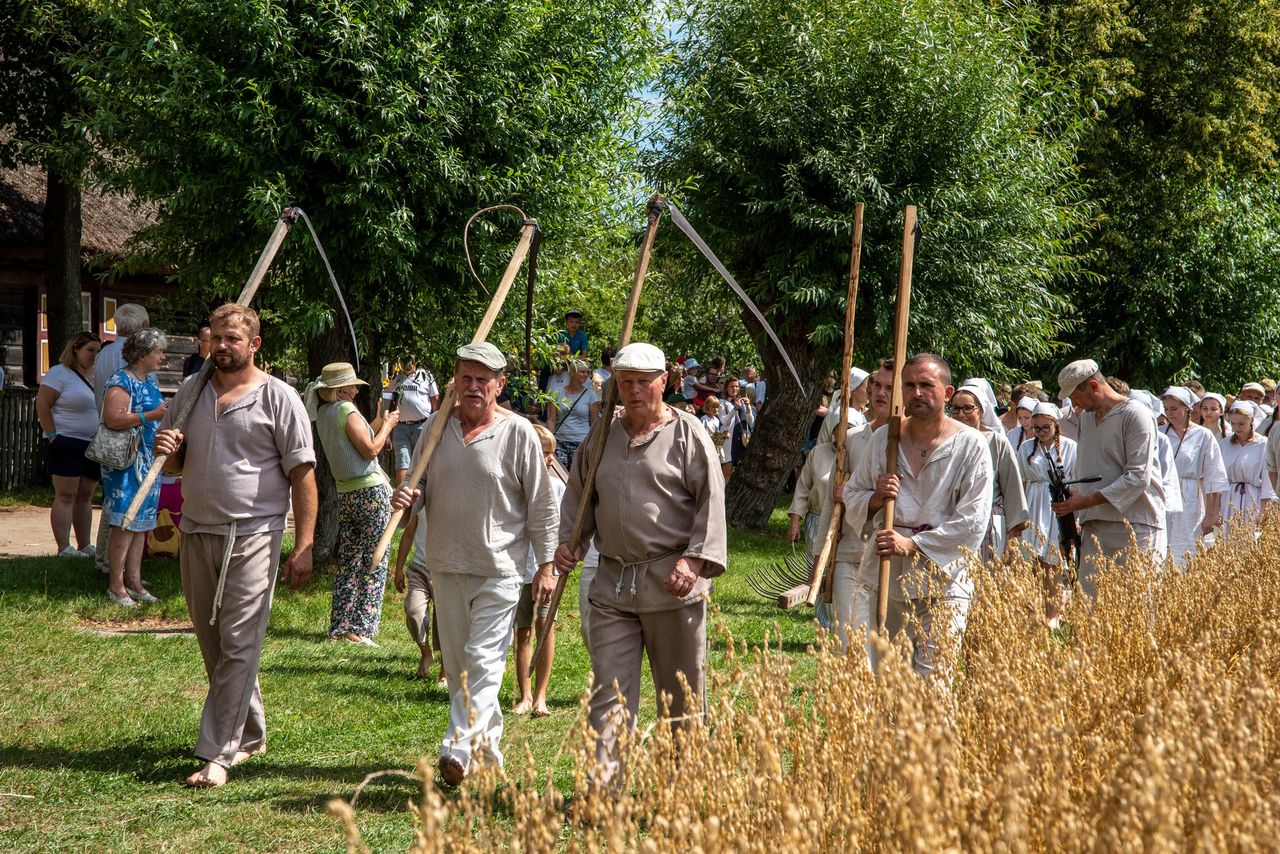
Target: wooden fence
21, 458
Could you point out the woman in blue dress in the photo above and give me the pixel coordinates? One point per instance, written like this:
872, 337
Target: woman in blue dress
133, 401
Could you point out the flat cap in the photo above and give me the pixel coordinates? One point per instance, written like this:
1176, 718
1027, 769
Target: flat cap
639, 357
1074, 374
484, 353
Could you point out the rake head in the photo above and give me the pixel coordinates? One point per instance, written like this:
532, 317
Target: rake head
772, 580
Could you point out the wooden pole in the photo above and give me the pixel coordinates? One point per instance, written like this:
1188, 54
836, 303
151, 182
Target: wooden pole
287, 218
831, 541
606, 421
445, 412
901, 319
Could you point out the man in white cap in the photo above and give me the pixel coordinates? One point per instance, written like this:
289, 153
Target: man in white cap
488, 505
1252, 392
1118, 444
658, 521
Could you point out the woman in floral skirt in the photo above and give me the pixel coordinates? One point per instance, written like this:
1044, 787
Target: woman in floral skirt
351, 447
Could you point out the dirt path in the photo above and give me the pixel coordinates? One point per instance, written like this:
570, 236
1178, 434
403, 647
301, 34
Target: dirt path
24, 532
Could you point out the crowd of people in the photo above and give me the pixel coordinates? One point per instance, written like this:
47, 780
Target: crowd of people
980, 471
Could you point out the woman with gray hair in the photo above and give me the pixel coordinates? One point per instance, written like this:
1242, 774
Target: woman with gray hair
133, 402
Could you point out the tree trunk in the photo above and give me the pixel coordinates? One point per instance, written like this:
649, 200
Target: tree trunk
782, 428
62, 227
331, 346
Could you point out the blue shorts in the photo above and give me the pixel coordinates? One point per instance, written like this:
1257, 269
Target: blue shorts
404, 438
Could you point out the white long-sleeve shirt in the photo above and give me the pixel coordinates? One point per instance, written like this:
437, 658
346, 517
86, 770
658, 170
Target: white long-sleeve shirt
945, 509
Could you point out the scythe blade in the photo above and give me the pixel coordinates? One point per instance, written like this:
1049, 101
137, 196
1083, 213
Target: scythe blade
683, 224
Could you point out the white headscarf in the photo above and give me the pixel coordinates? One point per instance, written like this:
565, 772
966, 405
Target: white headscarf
981, 389
1182, 394
1027, 403
1152, 402
1048, 409
1213, 395
1251, 409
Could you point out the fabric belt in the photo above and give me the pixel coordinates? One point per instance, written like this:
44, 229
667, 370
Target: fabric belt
411, 423
919, 529
634, 566
1241, 487
222, 573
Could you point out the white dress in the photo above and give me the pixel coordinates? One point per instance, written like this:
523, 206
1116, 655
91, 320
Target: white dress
1200, 472
1042, 533
1247, 479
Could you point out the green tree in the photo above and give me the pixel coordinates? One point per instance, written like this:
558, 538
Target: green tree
785, 113
38, 98
389, 122
1180, 154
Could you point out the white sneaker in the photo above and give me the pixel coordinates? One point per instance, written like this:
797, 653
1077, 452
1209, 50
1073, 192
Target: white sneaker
144, 596
121, 600
71, 551
89, 550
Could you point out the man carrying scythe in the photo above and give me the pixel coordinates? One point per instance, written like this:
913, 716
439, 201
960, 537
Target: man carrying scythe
942, 492
658, 521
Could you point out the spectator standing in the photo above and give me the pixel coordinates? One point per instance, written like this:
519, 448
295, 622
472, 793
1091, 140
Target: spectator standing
738, 419
573, 338
68, 414
193, 363
129, 318
133, 400
351, 446
687, 385
572, 412
711, 383
418, 396
602, 374
530, 617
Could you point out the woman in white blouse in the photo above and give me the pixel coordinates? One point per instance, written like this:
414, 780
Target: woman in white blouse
68, 419
1244, 453
1201, 474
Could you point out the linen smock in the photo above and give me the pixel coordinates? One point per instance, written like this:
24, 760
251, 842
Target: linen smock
1033, 463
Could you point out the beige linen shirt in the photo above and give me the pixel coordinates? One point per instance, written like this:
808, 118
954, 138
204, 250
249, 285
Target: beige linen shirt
1121, 448
236, 466
856, 442
654, 502
945, 509
814, 480
489, 502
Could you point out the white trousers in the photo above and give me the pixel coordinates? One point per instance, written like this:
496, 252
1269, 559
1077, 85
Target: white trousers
475, 615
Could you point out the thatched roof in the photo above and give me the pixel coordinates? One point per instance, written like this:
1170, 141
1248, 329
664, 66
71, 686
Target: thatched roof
109, 220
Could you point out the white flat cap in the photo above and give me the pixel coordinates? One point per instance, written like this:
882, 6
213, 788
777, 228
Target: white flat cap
484, 353
639, 357
1074, 374
1258, 387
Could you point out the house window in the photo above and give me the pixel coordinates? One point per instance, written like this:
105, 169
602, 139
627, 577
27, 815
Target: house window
45, 360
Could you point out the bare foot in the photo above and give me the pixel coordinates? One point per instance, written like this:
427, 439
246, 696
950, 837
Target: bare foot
424, 667
541, 710
523, 707
245, 755
211, 776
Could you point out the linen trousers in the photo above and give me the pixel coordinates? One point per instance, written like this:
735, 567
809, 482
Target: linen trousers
675, 642
233, 718
927, 621
474, 614
1111, 540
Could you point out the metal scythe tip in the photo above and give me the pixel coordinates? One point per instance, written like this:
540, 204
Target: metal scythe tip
290, 215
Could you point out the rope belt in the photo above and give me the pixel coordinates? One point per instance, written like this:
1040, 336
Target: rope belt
1241, 487
635, 568
222, 573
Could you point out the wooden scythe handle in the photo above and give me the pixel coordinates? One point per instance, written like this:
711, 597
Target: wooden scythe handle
831, 541
287, 218
606, 421
445, 412
901, 319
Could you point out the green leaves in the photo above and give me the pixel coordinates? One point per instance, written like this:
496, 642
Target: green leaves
788, 112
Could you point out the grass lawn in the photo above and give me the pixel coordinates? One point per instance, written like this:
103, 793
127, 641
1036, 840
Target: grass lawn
96, 732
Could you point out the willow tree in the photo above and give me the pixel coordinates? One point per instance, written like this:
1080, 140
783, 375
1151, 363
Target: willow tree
389, 121
785, 113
